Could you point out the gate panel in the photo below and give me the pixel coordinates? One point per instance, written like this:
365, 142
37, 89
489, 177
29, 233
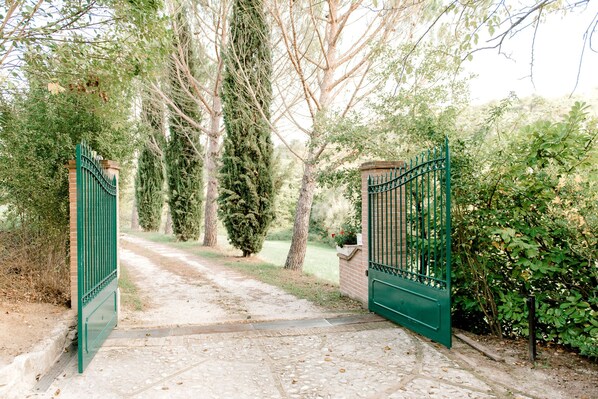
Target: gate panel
409, 245
96, 254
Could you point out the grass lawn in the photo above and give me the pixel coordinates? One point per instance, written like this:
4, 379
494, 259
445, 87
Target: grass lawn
320, 259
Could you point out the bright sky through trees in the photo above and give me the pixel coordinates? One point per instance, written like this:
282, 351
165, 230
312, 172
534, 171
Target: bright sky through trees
558, 47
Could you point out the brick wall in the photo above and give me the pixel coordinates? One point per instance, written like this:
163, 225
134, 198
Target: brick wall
73, 230
353, 281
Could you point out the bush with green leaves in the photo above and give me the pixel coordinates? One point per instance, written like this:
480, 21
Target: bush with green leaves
525, 223
524, 215
39, 131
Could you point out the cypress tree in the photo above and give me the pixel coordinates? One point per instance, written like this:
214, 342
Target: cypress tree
246, 194
149, 181
184, 153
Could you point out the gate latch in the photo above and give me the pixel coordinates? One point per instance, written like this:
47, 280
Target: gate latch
366, 272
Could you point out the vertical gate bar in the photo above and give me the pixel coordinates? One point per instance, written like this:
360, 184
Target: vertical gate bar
386, 244
100, 226
395, 241
90, 228
413, 237
114, 217
417, 216
104, 224
87, 226
420, 215
96, 230
408, 220
409, 216
435, 220
429, 237
401, 218
109, 231
448, 217
93, 236
417, 221
370, 222
83, 226
380, 220
100, 243
374, 215
94, 225
384, 214
390, 226
396, 219
107, 228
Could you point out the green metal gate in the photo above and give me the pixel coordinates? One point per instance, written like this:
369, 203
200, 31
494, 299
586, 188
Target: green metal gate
409, 245
96, 254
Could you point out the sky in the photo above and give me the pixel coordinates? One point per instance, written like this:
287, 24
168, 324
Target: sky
558, 47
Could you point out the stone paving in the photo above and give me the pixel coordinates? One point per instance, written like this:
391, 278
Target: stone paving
316, 356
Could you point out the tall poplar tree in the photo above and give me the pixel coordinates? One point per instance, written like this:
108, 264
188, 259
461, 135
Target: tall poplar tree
184, 153
246, 193
149, 181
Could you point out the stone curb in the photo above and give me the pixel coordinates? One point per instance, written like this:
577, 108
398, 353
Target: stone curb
21, 375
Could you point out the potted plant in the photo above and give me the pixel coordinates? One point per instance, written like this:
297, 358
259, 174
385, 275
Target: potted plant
347, 236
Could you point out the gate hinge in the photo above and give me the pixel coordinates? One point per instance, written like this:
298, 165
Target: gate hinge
366, 273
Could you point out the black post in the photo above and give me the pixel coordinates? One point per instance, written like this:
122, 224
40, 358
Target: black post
531, 320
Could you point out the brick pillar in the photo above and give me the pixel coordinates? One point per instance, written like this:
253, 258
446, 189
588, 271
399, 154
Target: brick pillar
112, 169
375, 168
72, 166
352, 275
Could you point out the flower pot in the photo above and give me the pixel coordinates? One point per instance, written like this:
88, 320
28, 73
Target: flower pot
346, 250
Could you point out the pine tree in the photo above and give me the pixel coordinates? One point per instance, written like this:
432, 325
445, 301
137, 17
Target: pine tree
184, 153
149, 181
246, 194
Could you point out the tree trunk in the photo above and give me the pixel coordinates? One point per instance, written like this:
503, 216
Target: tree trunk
210, 238
134, 216
302, 213
168, 225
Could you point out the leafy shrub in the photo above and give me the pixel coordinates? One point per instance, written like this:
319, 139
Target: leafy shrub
525, 223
